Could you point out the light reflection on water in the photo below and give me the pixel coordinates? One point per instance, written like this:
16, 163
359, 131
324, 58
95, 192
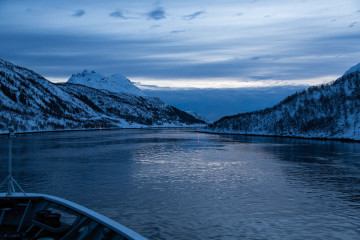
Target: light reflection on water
166, 185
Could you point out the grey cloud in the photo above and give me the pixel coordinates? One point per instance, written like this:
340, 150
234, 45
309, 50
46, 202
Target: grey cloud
177, 31
255, 58
79, 13
117, 14
348, 38
34, 12
155, 26
156, 14
193, 15
255, 77
352, 25
62, 54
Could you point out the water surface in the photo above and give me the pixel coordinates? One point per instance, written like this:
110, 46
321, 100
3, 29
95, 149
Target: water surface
178, 184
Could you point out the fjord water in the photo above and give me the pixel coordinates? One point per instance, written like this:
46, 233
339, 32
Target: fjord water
178, 184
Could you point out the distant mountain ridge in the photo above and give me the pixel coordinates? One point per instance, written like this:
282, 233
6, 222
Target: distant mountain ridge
198, 116
326, 111
31, 103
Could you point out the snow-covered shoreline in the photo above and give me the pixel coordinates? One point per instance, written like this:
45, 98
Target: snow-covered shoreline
320, 138
105, 129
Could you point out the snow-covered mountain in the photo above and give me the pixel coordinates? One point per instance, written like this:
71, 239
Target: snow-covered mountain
326, 111
113, 83
130, 108
29, 102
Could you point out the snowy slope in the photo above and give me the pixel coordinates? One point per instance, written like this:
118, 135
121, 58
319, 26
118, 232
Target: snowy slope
326, 111
29, 102
113, 83
32, 103
353, 69
132, 108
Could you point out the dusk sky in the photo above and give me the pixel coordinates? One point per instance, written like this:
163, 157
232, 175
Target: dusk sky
185, 44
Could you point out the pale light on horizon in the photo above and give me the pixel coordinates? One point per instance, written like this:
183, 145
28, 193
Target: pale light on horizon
216, 83
226, 83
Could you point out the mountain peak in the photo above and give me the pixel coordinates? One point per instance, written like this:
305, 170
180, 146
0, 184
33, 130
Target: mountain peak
113, 83
353, 69
86, 75
86, 71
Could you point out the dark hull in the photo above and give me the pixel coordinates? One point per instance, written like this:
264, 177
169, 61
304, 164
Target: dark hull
36, 216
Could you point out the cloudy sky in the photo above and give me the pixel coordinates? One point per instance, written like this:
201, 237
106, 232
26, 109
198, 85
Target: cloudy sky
185, 44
